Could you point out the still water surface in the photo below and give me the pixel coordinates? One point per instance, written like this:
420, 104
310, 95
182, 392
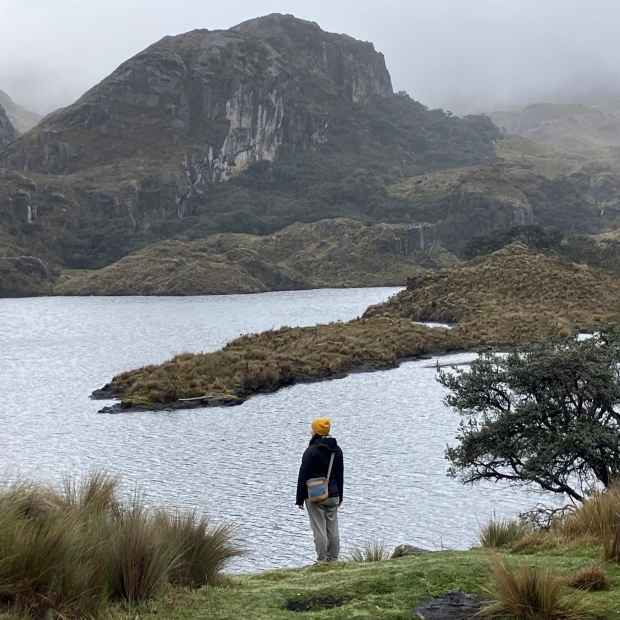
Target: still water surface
391, 425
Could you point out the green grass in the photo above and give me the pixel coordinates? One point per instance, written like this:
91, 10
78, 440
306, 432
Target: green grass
377, 590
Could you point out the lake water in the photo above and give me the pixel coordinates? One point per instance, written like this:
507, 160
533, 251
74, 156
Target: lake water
392, 425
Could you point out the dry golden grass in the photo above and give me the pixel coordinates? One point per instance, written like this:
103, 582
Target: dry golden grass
270, 360
592, 578
596, 518
532, 593
511, 297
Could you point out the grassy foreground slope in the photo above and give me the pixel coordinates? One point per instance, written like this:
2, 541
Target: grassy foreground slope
379, 591
510, 297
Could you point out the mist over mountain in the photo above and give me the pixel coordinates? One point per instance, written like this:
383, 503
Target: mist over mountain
466, 57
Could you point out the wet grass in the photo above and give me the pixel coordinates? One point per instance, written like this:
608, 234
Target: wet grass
388, 590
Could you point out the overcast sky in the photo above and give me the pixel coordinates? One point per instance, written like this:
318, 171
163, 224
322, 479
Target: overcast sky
463, 55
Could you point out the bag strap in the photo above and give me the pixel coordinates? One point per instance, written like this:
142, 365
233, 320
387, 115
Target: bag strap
331, 462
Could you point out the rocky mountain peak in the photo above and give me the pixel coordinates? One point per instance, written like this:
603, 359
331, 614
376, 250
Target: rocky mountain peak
225, 97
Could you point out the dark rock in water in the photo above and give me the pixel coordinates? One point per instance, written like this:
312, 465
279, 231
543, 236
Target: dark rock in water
452, 606
201, 402
406, 550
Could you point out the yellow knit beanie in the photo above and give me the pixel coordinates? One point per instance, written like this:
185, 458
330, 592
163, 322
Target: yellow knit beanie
321, 426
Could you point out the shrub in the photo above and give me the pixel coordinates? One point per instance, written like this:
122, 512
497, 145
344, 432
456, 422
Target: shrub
531, 593
589, 578
373, 551
543, 414
502, 533
204, 550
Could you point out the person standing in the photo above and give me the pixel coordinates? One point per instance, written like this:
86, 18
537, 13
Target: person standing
315, 463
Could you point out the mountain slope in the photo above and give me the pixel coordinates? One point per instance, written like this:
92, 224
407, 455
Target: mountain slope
572, 127
22, 119
246, 130
329, 253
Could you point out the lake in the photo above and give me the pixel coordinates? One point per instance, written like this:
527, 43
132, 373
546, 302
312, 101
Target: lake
392, 425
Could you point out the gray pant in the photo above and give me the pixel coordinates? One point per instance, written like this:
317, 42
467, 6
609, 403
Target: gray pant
324, 524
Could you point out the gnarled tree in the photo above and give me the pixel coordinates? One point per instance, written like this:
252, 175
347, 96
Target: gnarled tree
545, 415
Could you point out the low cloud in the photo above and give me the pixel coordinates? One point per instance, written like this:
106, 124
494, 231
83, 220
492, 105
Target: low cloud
464, 56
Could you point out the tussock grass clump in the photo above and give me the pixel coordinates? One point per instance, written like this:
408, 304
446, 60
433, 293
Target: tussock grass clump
596, 518
532, 593
204, 549
45, 564
72, 552
591, 578
373, 551
611, 544
138, 558
502, 533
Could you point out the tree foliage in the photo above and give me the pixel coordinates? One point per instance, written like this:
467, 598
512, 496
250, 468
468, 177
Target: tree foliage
545, 415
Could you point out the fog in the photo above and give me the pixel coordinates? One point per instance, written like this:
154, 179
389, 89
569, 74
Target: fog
457, 54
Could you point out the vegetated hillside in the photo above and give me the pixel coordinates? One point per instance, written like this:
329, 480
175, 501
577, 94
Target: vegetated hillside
528, 185
244, 130
7, 131
22, 119
512, 296
328, 253
570, 126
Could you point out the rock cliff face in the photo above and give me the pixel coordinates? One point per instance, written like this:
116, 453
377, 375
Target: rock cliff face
7, 131
212, 101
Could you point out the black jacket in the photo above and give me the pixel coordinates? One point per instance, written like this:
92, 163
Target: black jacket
315, 463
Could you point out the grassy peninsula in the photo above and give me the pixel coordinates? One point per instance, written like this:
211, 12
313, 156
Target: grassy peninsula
510, 297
